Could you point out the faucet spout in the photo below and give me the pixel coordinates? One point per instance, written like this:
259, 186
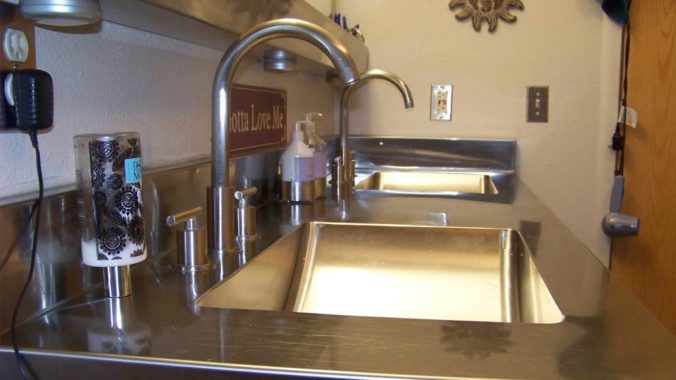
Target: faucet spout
343, 184
221, 194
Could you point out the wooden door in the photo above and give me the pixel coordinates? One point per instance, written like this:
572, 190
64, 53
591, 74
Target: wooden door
647, 262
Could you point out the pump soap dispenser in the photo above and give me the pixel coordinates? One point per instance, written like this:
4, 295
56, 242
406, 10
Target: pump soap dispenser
320, 150
297, 164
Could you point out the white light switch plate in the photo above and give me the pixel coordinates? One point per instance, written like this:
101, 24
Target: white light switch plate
441, 102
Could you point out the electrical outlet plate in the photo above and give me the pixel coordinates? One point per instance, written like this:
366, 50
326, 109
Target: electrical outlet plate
441, 102
538, 104
18, 38
15, 45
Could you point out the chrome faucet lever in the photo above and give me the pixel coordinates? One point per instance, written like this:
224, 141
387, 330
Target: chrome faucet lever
246, 226
343, 183
191, 239
220, 195
246, 215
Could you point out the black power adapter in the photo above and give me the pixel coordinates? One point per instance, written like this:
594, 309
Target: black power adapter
27, 101
27, 105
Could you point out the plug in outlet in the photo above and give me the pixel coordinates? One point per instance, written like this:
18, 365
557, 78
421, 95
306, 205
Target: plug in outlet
441, 102
15, 45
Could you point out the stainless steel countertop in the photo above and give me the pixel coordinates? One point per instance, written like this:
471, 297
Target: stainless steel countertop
607, 334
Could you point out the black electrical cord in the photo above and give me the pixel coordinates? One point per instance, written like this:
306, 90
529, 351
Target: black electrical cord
22, 363
621, 127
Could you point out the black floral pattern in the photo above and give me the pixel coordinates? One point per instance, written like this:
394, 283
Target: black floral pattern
113, 218
113, 242
136, 231
98, 176
131, 152
114, 182
127, 201
118, 207
104, 151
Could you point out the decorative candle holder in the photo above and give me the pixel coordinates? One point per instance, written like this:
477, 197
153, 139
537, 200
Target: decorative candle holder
108, 171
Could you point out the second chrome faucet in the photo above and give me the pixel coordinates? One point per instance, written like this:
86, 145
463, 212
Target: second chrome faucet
344, 170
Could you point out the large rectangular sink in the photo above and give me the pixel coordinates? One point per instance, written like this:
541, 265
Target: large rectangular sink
427, 183
398, 271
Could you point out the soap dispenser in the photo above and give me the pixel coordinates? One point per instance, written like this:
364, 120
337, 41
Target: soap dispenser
320, 150
297, 167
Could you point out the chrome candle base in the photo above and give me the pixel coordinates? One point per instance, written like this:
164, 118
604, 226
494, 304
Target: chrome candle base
117, 281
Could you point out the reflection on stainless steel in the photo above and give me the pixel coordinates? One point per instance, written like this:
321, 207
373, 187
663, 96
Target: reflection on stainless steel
604, 323
394, 271
122, 332
216, 24
297, 191
221, 218
493, 158
297, 214
343, 184
425, 183
475, 340
117, 281
192, 285
262, 10
56, 278
280, 61
60, 274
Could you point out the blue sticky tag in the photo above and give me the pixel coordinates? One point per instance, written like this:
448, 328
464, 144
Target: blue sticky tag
132, 170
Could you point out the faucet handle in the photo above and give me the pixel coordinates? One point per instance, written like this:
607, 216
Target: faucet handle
188, 217
246, 235
191, 240
243, 196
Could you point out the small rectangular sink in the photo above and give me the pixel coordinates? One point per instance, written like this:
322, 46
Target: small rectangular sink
398, 271
428, 183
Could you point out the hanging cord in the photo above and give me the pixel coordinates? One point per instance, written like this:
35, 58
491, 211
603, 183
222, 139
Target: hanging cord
621, 127
22, 233
22, 363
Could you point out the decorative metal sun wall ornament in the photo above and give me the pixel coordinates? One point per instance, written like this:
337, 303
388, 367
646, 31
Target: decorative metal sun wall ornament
485, 10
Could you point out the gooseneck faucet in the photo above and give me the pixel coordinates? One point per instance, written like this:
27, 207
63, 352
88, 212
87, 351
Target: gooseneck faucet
344, 168
221, 193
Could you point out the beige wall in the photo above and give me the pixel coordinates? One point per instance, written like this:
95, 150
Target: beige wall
569, 46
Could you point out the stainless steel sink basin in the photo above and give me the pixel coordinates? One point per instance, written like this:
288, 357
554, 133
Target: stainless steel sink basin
430, 183
401, 271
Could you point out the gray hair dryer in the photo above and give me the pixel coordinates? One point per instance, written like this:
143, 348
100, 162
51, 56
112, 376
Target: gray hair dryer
616, 223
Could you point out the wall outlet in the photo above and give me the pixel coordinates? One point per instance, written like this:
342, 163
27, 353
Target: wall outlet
441, 102
15, 45
538, 105
17, 38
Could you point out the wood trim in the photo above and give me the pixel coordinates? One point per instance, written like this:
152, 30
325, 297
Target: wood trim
647, 262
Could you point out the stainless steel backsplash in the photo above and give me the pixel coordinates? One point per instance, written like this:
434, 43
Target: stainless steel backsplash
59, 273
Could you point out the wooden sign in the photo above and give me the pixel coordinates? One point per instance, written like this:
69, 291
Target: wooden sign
257, 119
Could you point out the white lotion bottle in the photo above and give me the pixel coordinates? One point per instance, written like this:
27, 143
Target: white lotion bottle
320, 150
297, 164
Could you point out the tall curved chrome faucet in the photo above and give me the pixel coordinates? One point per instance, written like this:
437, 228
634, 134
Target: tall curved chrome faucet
345, 178
221, 197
